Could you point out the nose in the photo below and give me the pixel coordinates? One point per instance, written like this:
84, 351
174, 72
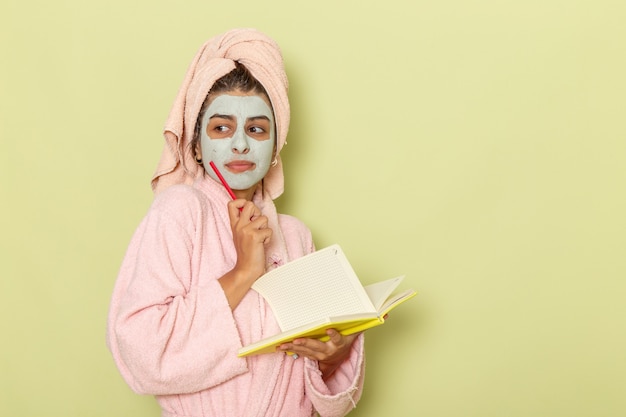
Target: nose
240, 142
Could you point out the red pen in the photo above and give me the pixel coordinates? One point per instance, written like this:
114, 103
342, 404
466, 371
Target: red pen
219, 175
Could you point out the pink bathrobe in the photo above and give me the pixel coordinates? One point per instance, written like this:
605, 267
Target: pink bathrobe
173, 334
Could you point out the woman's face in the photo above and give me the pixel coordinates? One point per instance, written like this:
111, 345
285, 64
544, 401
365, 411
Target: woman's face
238, 135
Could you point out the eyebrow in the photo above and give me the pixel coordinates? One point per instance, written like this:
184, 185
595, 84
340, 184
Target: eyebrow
231, 117
259, 117
222, 116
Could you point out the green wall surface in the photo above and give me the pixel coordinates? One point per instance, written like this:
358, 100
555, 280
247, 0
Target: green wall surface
479, 147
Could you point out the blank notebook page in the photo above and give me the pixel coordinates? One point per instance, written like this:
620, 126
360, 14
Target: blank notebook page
312, 288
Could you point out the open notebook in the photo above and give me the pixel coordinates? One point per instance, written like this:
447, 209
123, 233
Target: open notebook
321, 291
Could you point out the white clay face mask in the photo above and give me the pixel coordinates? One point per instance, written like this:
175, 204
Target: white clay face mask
238, 136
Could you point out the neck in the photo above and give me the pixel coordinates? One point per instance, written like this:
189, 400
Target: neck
246, 194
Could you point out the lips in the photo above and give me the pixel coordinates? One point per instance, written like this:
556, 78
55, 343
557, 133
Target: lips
239, 166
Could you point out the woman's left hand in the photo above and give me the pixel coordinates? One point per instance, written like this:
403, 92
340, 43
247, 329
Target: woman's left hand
330, 354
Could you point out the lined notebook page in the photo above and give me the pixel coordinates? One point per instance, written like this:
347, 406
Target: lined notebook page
314, 287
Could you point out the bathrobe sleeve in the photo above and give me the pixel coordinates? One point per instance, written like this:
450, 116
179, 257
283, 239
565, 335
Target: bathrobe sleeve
171, 332
339, 395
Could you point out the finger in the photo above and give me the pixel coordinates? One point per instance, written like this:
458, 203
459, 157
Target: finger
349, 339
243, 211
261, 230
250, 211
265, 235
304, 352
311, 348
259, 222
268, 237
234, 210
335, 336
245, 208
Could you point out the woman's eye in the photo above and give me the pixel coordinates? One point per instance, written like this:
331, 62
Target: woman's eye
221, 129
256, 129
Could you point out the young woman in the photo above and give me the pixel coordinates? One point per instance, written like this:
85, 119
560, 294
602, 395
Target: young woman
182, 304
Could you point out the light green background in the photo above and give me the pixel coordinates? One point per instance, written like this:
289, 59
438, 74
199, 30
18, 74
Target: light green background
476, 146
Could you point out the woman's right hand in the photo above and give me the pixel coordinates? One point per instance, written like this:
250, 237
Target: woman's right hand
250, 234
